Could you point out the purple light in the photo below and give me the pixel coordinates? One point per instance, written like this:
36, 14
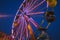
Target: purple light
24, 28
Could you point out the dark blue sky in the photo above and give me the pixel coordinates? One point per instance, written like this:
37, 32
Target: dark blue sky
10, 7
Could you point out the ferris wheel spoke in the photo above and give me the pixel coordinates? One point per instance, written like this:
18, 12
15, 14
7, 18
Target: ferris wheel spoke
26, 27
35, 13
28, 2
32, 4
34, 23
19, 28
37, 5
22, 28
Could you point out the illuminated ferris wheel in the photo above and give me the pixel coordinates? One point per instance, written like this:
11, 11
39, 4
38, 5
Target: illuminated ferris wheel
28, 15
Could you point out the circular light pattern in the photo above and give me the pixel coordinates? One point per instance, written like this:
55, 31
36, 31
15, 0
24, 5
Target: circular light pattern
22, 28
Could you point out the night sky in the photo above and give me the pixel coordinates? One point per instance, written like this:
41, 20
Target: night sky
10, 7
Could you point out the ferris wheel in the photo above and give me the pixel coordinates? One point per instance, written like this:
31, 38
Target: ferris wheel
30, 14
